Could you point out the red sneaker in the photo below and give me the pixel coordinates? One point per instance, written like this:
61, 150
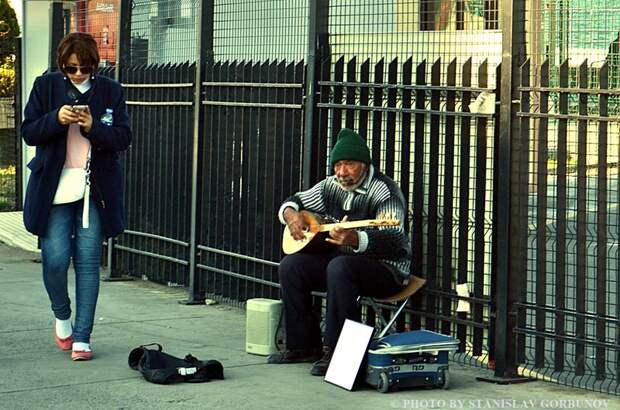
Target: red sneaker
63, 344
77, 355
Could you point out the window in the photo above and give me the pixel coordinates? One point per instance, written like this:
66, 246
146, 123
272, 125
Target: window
444, 15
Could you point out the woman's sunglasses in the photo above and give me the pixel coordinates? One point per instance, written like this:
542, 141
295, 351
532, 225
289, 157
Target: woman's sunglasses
72, 69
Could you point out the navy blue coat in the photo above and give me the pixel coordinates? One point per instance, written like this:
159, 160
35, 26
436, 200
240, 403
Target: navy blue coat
41, 128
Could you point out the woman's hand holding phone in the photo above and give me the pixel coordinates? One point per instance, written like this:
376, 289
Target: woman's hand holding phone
67, 115
84, 118
76, 114
79, 108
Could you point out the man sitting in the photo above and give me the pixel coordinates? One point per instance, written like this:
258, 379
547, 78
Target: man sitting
368, 262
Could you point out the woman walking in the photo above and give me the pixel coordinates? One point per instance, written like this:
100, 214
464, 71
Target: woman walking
78, 122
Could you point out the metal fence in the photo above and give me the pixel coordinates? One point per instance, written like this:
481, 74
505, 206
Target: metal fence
10, 149
8, 171
419, 29
251, 160
568, 311
160, 101
568, 328
517, 203
257, 30
99, 19
163, 31
425, 133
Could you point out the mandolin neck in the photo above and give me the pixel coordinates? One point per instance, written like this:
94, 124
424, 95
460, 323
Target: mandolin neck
348, 225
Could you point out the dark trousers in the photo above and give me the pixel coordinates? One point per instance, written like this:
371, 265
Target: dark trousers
344, 277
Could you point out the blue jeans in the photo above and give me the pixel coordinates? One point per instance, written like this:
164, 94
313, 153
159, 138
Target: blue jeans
65, 239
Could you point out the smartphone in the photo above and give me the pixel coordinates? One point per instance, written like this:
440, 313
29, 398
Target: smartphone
81, 108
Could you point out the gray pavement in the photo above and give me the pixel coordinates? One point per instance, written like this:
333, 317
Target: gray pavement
36, 375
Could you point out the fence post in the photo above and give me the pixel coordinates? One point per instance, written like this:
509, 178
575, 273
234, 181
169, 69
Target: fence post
19, 195
318, 49
122, 60
204, 56
57, 32
508, 253
123, 44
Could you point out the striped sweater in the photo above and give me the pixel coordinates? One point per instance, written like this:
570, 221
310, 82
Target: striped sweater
377, 195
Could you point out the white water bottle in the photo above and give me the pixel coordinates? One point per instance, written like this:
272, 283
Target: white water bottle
107, 118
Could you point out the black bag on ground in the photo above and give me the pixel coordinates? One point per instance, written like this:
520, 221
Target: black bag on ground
162, 368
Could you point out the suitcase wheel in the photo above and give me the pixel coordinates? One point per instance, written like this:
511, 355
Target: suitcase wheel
446, 380
383, 384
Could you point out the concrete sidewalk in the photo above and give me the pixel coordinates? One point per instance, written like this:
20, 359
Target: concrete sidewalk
36, 375
13, 232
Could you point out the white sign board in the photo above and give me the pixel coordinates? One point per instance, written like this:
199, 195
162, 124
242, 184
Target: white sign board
349, 354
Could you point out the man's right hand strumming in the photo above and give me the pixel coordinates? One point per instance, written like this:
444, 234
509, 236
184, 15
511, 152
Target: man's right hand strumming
296, 223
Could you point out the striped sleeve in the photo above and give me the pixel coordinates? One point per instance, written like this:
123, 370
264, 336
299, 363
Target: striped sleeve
310, 200
389, 242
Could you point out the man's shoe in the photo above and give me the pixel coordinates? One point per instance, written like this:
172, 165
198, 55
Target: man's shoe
319, 368
294, 356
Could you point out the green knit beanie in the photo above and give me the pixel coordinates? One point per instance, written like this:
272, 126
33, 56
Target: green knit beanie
350, 146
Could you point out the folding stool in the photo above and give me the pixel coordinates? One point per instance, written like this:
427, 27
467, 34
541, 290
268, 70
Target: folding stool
415, 283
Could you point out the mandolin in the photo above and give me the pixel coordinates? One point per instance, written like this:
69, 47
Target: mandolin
318, 231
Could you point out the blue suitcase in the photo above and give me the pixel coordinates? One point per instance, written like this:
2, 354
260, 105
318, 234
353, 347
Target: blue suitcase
417, 358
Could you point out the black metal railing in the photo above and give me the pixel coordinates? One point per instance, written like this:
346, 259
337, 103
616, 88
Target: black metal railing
568, 312
158, 168
416, 124
251, 161
510, 170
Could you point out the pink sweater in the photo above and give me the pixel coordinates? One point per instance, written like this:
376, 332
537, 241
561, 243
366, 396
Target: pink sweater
77, 148
77, 145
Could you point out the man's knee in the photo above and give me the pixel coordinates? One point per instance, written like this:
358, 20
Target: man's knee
289, 269
284, 270
339, 271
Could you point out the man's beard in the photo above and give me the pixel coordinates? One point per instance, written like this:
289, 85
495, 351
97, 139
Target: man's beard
346, 182
349, 184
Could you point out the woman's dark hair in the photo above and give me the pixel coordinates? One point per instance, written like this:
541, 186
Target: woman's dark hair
83, 45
